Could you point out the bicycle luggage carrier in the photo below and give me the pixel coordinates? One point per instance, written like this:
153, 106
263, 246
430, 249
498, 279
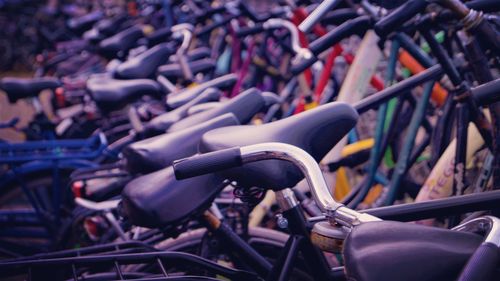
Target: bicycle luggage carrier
90, 148
117, 261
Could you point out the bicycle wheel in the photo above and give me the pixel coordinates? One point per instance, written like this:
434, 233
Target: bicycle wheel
39, 230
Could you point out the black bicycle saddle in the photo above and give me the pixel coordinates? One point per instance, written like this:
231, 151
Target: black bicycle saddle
244, 107
85, 22
222, 83
161, 123
20, 88
110, 94
158, 36
145, 64
121, 41
390, 251
158, 199
174, 70
316, 131
155, 153
110, 25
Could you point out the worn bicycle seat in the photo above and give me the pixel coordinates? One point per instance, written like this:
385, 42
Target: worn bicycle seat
158, 199
179, 99
316, 131
110, 25
93, 36
121, 41
83, 23
145, 64
155, 153
20, 88
111, 94
174, 70
158, 36
198, 54
244, 107
390, 250
161, 123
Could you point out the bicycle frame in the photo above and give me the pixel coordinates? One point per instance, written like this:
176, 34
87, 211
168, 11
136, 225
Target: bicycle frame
41, 156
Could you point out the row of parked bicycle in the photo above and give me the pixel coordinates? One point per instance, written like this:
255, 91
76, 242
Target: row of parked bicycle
196, 140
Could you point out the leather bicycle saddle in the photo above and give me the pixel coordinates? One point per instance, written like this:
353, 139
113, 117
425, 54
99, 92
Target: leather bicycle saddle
244, 107
158, 36
390, 251
20, 88
316, 131
145, 64
161, 123
222, 83
120, 42
174, 70
111, 94
197, 54
110, 25
158, 199
155, 153
83, 23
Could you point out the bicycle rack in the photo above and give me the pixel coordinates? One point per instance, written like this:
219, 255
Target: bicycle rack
122, 261
52, 150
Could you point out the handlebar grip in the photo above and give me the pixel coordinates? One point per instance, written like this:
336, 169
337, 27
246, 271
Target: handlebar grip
400, 15
207, 163
482, 264
245, 31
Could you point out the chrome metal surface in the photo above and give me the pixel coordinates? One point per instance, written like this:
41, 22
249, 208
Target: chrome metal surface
472, 19
294, 33
336, 212
286, 199
316, 15
186, 31
488, 224
97, 206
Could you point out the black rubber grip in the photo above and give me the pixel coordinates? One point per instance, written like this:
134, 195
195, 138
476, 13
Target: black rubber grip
358, 26
207, 163
486, 94
482, 264
399, 16
245, 31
